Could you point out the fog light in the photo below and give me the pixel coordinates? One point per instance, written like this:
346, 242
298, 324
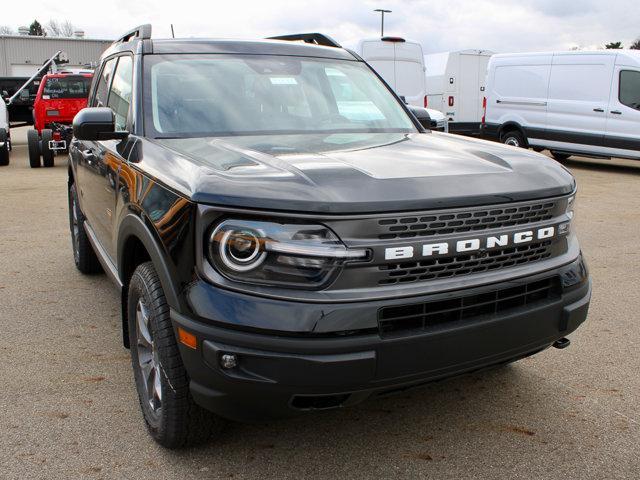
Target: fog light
228, 360
564, 228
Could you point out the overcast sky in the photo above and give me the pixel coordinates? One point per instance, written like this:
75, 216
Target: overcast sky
440, 25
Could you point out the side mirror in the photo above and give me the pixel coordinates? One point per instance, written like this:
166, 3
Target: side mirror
404, 99
421, 115
96, 123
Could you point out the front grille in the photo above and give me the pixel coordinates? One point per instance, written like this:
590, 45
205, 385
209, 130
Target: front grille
419, 317
408, 272
465, 221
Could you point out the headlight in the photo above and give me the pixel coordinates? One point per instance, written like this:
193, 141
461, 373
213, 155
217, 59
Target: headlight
565, 228
300, 256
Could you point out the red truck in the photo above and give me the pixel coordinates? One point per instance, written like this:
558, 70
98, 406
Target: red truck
60, 96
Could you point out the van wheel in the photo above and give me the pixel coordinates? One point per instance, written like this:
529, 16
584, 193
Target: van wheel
4, 149
33, 143
561, 157
514, 138
47, 153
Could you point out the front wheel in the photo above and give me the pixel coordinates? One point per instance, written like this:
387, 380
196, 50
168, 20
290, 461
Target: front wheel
514, 138
4, 148
172, 417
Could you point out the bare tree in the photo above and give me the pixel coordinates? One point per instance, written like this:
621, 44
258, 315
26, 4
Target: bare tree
6, 30
635, 45
60, 29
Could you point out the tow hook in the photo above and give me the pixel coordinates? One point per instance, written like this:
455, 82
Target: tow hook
562, 343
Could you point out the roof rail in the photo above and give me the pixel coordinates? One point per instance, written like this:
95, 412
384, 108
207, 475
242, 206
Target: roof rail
314, 38
143, 32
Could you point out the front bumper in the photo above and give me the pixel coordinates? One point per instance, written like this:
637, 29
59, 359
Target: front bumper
280, 374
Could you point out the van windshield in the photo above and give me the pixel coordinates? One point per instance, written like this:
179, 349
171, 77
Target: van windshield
208, 95
67, 87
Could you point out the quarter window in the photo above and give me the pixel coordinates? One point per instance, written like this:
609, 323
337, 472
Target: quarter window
100, 99
629, 93
120, 93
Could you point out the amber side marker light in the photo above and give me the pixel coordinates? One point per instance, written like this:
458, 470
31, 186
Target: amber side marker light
188, 339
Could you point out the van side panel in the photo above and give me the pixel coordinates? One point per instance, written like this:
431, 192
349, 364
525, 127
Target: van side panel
579, 89
517, 93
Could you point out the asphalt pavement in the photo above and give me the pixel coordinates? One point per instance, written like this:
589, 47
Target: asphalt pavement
68, 406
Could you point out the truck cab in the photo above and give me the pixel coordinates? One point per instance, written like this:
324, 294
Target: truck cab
60, 97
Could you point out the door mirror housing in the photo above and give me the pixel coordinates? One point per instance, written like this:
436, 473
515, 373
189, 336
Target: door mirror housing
421, 115
96, 123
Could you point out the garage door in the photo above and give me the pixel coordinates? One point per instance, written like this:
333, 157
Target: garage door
23, 70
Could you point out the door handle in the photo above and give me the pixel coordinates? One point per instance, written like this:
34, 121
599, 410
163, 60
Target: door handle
88, 155
616, 112
600, 110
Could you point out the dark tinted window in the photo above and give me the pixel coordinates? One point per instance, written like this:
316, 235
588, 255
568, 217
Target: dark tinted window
66, 87
120, 95
630, 88
100, 99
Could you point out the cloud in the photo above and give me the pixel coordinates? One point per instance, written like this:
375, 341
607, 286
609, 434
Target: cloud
440, 25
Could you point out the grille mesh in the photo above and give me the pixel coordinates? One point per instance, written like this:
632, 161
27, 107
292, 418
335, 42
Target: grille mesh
398, 320
408, 272
465, 221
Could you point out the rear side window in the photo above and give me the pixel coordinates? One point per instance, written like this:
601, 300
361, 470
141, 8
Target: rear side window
100, 99
66, 87
629, 93
120, 93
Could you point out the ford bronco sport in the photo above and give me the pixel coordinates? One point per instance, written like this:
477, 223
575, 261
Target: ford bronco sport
286, 236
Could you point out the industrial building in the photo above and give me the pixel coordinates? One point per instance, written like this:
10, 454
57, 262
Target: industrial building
22, 55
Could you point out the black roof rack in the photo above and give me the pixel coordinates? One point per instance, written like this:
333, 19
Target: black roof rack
142, 32
314, 38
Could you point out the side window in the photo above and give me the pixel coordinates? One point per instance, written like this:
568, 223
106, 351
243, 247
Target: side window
120, 94
629, 93
100, 99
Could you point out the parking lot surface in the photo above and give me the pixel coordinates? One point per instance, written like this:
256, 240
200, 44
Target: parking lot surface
68, 407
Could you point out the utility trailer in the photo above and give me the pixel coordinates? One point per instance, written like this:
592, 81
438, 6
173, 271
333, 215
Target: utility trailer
455, 84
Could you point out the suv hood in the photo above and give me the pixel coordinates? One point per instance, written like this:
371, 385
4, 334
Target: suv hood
351, 173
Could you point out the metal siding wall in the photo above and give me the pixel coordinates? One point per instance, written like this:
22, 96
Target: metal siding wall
36, 50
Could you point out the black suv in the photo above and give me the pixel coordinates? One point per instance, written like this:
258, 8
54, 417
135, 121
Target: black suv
286, 236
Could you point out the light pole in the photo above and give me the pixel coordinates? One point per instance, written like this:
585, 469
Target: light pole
382, 11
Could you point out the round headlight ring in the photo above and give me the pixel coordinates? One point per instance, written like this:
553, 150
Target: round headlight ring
240, 250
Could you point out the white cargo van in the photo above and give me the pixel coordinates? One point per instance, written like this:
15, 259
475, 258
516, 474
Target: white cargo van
455, 84
585, 103
400, 62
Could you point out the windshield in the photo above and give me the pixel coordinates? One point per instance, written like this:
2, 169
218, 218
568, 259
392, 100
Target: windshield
66, 87
207, 95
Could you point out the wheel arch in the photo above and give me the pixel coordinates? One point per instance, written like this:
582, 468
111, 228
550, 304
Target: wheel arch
136, 245
510, 126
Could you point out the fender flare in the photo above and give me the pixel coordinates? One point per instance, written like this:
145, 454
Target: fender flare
134, 226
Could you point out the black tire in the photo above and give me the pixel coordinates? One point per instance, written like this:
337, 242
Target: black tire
47, 153
33, 144
4, 149
83, 255
560, 157
172, 417
515, 138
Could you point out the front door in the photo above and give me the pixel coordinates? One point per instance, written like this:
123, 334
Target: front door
623, 117
100, 162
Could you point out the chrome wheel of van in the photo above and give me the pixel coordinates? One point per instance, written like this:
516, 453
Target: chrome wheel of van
514, 138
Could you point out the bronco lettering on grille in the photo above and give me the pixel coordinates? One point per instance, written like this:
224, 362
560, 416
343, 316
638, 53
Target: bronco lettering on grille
471, 244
